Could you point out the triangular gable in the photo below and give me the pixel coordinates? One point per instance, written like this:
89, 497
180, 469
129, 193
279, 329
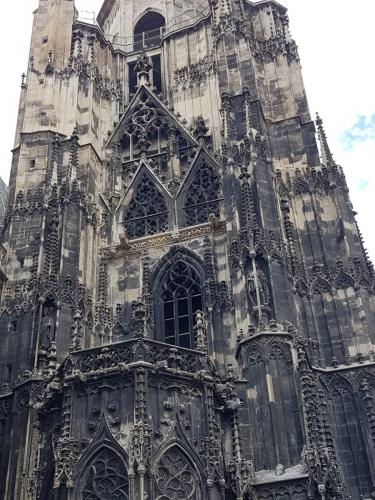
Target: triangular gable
163, 110
201, 155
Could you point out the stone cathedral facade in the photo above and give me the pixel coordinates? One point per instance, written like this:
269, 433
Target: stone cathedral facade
187, 306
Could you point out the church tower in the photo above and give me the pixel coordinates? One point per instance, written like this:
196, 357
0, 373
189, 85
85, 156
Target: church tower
187, 306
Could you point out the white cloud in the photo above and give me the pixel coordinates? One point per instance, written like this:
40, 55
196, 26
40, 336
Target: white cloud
335, 39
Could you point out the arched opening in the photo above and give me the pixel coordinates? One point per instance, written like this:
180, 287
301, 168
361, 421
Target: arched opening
180, 298
148, 30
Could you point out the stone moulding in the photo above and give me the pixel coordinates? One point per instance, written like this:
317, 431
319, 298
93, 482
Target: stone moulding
119, 357
170, 238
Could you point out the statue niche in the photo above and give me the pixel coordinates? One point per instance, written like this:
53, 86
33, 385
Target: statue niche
47, 323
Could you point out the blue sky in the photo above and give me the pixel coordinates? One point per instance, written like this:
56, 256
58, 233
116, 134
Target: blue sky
335, 39
363, 130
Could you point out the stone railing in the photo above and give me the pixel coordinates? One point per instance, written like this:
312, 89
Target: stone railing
120, 355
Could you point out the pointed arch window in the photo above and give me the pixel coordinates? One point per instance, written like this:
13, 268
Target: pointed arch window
176, 477
106, 478
181, 297
148, 31
147, 213
204, 196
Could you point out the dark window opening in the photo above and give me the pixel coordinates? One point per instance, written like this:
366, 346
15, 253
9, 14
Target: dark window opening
32, 163
156, 72
181, 297
148, 31
132, 79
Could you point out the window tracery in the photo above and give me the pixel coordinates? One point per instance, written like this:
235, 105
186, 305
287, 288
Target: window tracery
203, 197
147, 213
181, 298
106, 479
176, 478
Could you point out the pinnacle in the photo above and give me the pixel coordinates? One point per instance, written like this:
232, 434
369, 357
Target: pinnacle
326, 155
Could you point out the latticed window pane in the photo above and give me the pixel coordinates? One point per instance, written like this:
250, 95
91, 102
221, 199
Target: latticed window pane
106, 478
181, 297
147, 213
176, 478
203, 197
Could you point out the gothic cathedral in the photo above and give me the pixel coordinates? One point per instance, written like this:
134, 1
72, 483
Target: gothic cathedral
186, 300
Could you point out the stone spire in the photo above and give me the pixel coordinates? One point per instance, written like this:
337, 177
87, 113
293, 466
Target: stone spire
327, 158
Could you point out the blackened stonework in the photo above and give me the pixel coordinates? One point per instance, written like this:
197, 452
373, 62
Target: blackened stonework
3, 199
187, 304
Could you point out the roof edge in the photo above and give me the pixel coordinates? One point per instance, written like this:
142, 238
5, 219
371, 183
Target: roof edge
105, 11
265, 2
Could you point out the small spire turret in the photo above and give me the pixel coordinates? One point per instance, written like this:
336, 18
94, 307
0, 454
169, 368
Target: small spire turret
326, 155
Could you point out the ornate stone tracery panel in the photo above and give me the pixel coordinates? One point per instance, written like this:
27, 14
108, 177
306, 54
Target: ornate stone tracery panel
106, 478
203, 196
176, 478
147, 213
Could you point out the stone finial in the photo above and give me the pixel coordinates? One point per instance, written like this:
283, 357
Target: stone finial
52, 358
76, 332
74, 147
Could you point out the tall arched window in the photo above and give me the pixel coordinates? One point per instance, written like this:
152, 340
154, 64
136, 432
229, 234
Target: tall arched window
147, 213
148, 30
180, 296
